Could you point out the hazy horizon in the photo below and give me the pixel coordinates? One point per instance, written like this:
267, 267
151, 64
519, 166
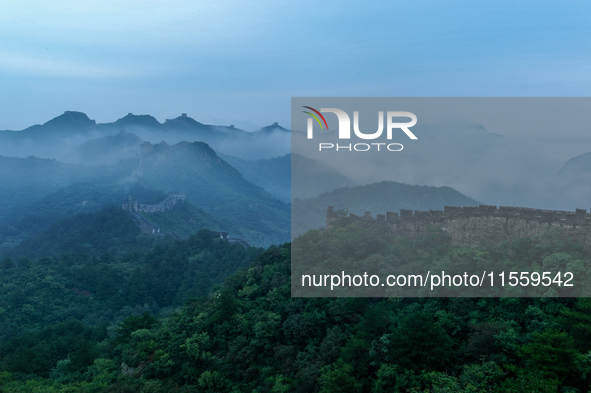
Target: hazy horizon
240, 63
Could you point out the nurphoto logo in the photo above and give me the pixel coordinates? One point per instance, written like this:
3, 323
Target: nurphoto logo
344, 131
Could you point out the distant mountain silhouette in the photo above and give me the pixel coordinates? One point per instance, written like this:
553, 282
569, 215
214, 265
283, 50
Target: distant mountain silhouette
311, 178
209, 182
70, 119
131, 120
215, 186
272, 128
377, 198
274, 175
57, 137
577, 166
107, 150
464, 155
67, 124
25, 181
183, 121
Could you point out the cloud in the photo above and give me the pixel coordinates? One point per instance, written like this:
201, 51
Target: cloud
38, 65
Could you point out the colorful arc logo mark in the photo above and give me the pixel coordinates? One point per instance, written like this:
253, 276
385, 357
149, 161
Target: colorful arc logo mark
316, 117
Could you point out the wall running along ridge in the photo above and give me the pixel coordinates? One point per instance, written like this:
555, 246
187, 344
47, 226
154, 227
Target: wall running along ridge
132, 205
470, 226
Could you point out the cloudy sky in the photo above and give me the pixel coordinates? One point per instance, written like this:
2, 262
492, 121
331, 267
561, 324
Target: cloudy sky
240, 62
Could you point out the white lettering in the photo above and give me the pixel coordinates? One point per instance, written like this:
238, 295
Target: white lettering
397, 144
344, 122
402, 126
368, 136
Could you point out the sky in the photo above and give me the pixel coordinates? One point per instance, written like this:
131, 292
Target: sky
240, 62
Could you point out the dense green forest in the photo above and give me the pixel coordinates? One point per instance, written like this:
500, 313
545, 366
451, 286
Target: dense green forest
25, 181
38, 293
86, 218
30, 220
356, 248
249, 335
110, 230
186, 219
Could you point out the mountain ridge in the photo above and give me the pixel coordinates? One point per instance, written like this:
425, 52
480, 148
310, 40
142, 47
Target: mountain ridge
57, 136
377, 197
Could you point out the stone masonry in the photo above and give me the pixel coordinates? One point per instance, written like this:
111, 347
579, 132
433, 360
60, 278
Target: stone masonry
172, 199
469, 226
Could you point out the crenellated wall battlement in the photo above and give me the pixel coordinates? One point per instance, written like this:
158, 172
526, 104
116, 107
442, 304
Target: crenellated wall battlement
172, 198
470, 225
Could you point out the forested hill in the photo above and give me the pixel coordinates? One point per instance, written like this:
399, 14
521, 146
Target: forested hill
36, 217
378, 198
25, 181
249, 335
40, 292
110, 230
114, 230
215, 186
38, 192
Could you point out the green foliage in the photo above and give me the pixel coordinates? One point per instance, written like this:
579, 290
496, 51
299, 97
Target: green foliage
110, 230
41, 293
185, 219
578, 320
338, 378
36, 192
132, 324
71, 342
421, 342
550, 354
248, 334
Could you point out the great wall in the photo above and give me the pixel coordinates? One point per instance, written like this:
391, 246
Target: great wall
172, 199
470, 226
134, 208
